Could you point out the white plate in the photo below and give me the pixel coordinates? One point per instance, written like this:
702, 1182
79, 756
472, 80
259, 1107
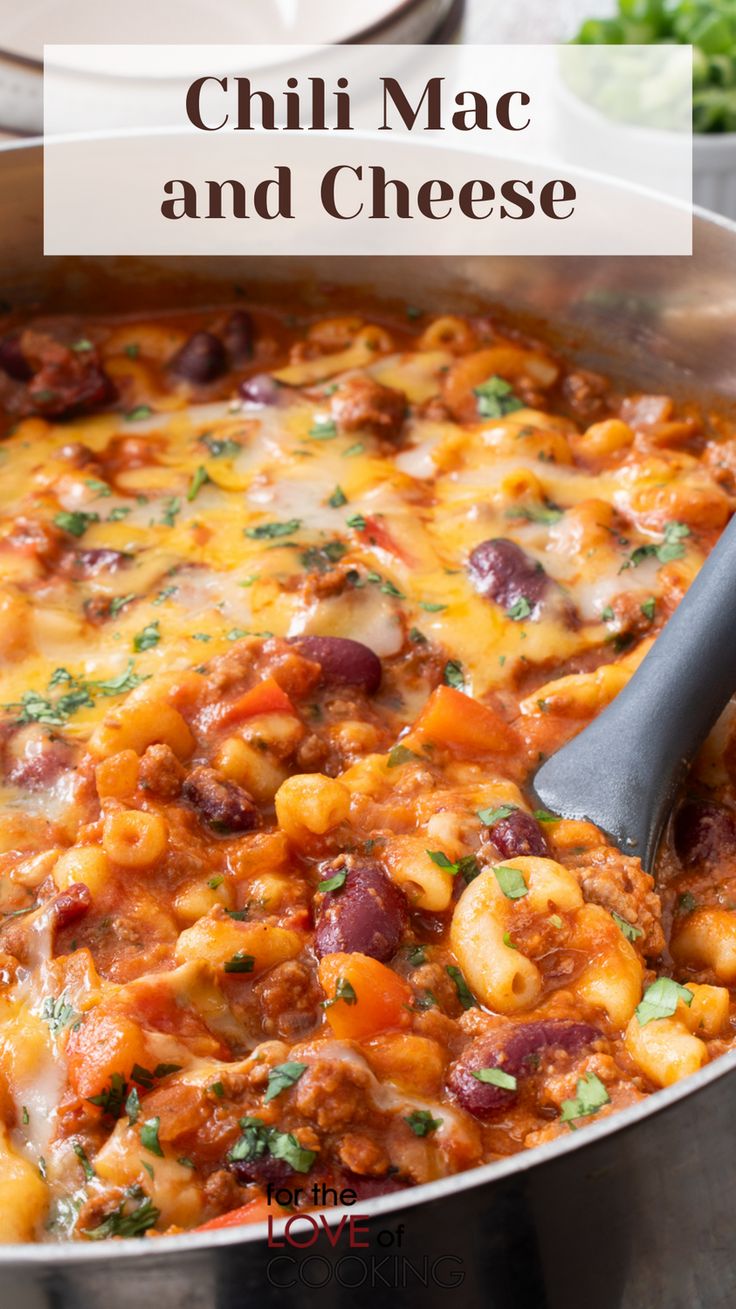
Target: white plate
190, 22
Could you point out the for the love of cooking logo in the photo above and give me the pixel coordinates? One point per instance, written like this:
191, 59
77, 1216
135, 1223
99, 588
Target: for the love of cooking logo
318, 1248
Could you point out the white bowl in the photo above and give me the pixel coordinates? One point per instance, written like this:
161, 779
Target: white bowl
190, 22
714, 173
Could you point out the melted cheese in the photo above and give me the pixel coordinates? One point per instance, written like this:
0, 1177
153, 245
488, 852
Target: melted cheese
195, 571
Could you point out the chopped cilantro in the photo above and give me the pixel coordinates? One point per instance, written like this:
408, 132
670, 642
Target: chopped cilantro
357, 522
417, 637
99, 488
147, 638
81, 1154
661, 999
119, 602
648, 608
417, 955
324, 430
124, 1221
496, 1077
422, 1123
352, 450
490, 816
400, 754
334, 883
199, 478
321, 558
240, 963
511, 882
271, 531
149, 1136
59, 1013
75, 524
133, 1105
258, 1140
441, 860
630, 930
544, 816
112, 1099
546, 513
344, 991
338, 498
136, 415
496, 397
591, 1095
124, 682
464, 993
467, 866
221, 449
430, 607
519, 610
453, 675
671, 547
607, 614
282, 1077
171, 509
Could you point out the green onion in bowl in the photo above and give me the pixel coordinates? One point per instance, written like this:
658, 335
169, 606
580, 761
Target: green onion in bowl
708, 25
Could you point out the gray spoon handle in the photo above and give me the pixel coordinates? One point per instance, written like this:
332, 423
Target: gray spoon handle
624, 770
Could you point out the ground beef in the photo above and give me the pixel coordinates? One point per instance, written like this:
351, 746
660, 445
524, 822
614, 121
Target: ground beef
619, 884
160, 772
334, 1094
222, 1192
361, 404
362, 1155
65, 382
290, 1000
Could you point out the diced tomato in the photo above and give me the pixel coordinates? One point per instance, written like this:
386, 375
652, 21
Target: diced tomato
365, 997
104, 1044
452, 718
255, 1211
379, 535
265, 698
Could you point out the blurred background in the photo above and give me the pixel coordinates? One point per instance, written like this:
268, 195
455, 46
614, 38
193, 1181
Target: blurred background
709, 25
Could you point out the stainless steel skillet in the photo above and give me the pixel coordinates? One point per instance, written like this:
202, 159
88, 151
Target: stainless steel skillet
635, 1211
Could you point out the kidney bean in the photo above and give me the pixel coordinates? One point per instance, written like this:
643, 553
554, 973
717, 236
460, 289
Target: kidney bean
367, 914
261, 389
519, 834
704, 833
38, 758
343, 660
220, 803
512, 1049
238, 336
201, 359
62, 389
501, 571
13, 361
262, 1169
70, 905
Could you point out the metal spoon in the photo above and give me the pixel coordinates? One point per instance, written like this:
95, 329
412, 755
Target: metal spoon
623, 772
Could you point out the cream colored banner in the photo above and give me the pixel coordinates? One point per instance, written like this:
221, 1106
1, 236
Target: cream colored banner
394, 150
